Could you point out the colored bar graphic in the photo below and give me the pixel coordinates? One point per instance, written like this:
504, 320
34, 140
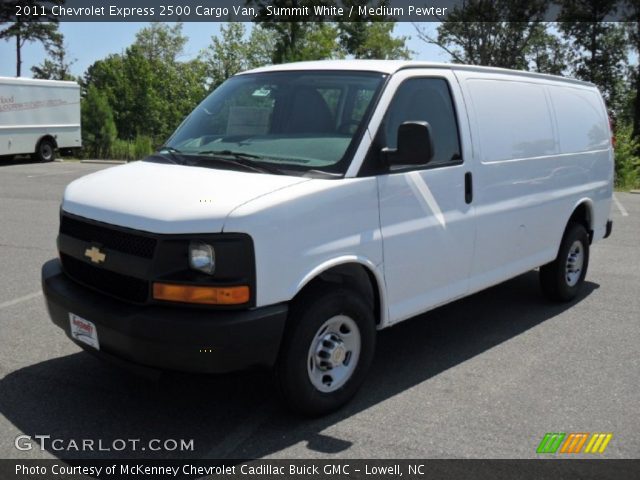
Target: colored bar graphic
573, 442
550, 443
581, 442
598, 443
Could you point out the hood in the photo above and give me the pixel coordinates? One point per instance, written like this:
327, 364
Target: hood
167, 198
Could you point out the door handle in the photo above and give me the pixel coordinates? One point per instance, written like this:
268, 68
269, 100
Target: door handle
468, 187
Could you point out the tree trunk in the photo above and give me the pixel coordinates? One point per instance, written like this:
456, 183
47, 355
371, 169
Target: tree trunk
18, 56
636, 108
636, 102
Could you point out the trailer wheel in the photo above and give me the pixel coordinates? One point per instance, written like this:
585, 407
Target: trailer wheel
45, 151
327, 350
561, 279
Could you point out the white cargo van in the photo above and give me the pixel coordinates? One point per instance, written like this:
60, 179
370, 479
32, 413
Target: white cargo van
302, 207
39, 116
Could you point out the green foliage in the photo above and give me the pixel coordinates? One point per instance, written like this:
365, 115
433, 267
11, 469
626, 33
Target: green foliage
135, 149
633, 30
627, 163
161, 42
475, 33
24, 32
599, 48
98, 128
149, 92
231, 52
318, 40
57, 66
373, 40
298, 41
546, 53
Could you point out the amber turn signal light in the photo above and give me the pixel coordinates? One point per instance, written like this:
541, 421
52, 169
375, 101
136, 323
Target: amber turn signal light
171, 292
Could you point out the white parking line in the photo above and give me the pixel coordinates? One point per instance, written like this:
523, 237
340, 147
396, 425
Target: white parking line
623, 210
52, 173
15, 301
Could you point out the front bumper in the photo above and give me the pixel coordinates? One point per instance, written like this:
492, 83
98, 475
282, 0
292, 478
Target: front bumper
167, 338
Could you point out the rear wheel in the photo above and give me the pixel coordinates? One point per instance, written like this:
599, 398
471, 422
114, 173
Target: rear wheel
45, 151
327, 350
561, 279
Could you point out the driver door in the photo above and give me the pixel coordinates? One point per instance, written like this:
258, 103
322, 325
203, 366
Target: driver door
426, 211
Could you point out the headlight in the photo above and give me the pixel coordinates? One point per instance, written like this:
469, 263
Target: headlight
202, 257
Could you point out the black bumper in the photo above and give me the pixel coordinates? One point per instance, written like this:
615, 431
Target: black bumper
167, 338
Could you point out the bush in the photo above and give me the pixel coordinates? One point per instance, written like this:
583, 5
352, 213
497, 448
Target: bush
98, 127
136, 149
627, 161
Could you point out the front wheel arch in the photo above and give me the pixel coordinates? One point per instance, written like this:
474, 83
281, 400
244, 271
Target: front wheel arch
358, 275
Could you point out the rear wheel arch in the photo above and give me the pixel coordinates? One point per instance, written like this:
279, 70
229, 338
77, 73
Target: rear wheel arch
582, 214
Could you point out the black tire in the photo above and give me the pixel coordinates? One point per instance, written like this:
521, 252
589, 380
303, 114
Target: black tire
554, 276
306, 317
45, 151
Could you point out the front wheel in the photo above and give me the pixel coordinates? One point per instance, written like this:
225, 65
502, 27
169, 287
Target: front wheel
561, 279
327, 350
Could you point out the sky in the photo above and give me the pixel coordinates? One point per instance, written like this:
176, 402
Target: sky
87, 42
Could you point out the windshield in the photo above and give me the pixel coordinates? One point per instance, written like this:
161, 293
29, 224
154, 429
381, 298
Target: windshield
293, 121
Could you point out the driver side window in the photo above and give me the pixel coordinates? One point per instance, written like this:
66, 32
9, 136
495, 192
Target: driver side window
426, 100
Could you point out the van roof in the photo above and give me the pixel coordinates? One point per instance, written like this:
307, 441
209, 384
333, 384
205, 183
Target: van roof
392, 66
37, 81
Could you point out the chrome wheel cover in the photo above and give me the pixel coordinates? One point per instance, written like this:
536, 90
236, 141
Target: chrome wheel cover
334, 353
575, 263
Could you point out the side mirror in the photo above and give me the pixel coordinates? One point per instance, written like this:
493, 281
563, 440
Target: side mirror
415, 145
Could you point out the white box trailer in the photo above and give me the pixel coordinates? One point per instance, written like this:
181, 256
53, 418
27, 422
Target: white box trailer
39, 116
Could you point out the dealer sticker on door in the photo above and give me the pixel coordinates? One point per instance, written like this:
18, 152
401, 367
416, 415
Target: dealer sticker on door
84, 331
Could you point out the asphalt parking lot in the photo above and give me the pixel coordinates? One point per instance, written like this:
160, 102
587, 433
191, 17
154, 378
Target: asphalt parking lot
485, 377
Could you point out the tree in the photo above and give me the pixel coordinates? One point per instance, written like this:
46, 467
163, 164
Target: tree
57, 67
373, 40
320, 42
547, 53
598, 48
98, 127
232, 52
633, 30
161, 42
292, 37
24, 31
367, 37
500, 33
149, 94
324, 38
260, 47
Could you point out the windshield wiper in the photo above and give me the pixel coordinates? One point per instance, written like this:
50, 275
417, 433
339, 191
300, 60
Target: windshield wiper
174, 153
247, 160
229, 153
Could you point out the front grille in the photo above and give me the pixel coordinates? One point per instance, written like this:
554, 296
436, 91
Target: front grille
113, 239
121, 286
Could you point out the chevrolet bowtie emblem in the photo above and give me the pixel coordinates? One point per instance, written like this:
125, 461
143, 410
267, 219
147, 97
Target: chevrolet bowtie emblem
95, 255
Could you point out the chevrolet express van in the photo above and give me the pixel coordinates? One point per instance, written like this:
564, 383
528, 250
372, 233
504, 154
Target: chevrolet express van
300, 208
